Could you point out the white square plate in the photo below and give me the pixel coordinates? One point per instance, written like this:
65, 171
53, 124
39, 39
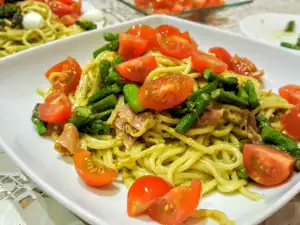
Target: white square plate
21, 74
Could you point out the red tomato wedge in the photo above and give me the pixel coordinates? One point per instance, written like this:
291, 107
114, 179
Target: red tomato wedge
267, 166
177, 205
202, 61
137, 69
146, 33
131, 46
246, 67
143, 192
223, 54
186, 35
291, 93
56, 108
291, 122
60, 8
91, 172
166, 92
68, 20
175, 46
158, 4
167, 30
1, 2
68, 2
142, 2
70, 74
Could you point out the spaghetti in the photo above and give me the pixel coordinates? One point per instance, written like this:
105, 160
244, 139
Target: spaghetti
201, 139
15, 39
210, 153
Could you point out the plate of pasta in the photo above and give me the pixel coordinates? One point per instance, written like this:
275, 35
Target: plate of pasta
30, 23
156, 120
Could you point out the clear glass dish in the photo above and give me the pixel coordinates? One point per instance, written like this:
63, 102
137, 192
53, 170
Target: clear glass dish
186, 14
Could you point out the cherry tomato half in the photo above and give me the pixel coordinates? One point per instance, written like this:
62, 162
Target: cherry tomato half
60, 8
246, 67
267, 166
223, 54
175, 46
167, 30
91, 172
166, 92
177, 205
291, 93
202, 61
70, 74
291, 122
137, 69
143, 192
56, 108
146, 33
131, 46
158, 4
139, 3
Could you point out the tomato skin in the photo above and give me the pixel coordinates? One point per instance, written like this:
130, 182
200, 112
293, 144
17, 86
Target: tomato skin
137, 69
222, 54
60, 8
175, 46
143, 192
202, 61
177, 205
131, 46
70, 77
291, 122
102, 175
267, 166
246, 67
1, 2
158, 4
68, 20
56, 108
139, 3
146, 33
166, 92
291, 93
186, 35
68, 2
167, 30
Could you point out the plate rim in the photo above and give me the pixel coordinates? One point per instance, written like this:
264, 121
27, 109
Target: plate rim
82, 212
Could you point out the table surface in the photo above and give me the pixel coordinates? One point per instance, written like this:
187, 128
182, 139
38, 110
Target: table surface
16, 187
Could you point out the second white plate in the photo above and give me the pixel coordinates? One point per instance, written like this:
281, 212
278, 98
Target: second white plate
269, 28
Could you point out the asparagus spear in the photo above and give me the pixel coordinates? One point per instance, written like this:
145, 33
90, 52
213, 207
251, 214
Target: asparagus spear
96, 127
253, 99
40, 126
190, 119
229, 98
80, 116
229, 84
86, 25
242, 173
131, 97
187, 122
290, 27
242, 94
289, 45
117, 60
262, 121
111, 37
269, 135
104, 69
112, 89
101, 116
207, 89
104, 104
114, 78
112, 46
